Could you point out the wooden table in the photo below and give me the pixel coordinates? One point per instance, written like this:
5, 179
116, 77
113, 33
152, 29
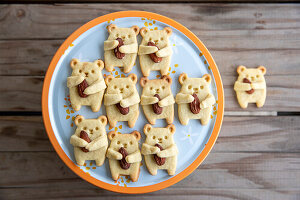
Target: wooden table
257, 155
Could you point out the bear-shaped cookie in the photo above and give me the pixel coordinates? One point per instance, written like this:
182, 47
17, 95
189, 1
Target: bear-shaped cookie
155, 50
159, 149
120, 48
194, 99
86, 84
124, 155
90, 140
122, 100
251, 86
157, 99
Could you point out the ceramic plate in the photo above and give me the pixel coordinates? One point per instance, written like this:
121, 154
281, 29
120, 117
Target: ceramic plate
194, 141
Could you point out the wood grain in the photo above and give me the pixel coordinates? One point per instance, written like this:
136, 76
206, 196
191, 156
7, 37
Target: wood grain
259, 134
210, 20
227, 175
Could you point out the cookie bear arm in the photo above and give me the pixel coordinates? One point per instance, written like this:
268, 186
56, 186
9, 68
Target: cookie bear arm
239, 86
112, 154
110, 44
97, 86
130, 48
164, 52
184, 98
97, 143
208, 101
258, 85
147, 100
147, 49
171, 151
74, 81
148, 149
111, 99
169, 100
134, 157
131, 100
77, 141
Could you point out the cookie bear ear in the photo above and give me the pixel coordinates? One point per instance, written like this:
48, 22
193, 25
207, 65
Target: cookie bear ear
147, 128
111, 28
167, 78
171, 128
74, 62
144, 81
262, 69
144, 31
136, 134
207, 78
111, 135
99, 63
168, 30
78, 119
240, 69
108, 79
136, 29
103, 120
133, 77
182, 78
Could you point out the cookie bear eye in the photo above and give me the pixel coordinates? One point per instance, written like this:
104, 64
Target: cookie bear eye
201, 87
151, 88
257, 76
80, 71
161, 38
115, 87
118, 142
93, 71
131, 142
166, 137
129, 36
153, 137
127, 86
189, 87
97, 128
163, 87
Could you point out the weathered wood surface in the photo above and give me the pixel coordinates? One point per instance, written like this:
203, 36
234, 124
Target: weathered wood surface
259, 134
253, 158
227, 175
215, 21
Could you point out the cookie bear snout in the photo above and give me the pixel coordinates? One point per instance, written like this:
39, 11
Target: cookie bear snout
121, 90
157, 90
86, 74
252, 78
125, 145
196, 90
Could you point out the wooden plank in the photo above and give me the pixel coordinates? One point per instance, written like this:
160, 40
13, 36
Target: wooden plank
259, 134
23, 93
229, 175
32, 57
59, 20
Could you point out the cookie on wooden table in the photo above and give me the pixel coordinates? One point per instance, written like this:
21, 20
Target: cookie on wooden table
251, 86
